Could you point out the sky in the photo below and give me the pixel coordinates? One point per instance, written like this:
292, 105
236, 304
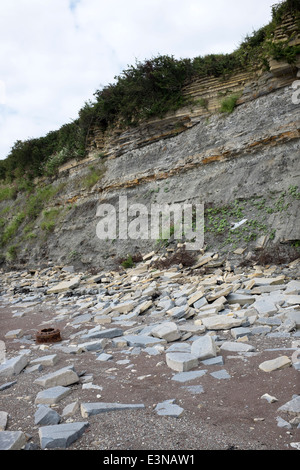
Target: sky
55, 54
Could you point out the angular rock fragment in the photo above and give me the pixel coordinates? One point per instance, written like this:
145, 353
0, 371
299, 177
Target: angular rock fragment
61, 436
88, 409
274, 364
13, 366
64, 286
52, 395
221, 322
204, 348
169, 408
46, 416
65, 376
12, 440
167, 331
181, 362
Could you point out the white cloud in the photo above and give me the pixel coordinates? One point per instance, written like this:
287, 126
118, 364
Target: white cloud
56, 53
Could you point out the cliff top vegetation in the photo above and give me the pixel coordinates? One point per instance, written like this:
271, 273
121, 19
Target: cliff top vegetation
145, 90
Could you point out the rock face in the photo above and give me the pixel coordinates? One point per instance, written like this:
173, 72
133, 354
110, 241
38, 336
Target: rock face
254, 159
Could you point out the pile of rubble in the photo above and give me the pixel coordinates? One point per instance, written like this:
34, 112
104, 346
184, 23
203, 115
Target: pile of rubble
180, 313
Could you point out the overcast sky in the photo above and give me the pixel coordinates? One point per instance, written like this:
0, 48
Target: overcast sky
55, 54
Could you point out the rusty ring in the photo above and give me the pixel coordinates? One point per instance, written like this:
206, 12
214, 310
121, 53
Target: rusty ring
48, 335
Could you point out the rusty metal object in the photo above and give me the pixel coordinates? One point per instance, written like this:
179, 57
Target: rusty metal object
48, 335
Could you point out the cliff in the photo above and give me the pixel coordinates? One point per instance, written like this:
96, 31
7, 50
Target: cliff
242, 165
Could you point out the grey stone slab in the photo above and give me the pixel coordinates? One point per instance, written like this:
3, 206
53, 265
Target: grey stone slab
167, 330
88, 409
142, 341
241, 299
181, 362
3, 420
104, 357
236, 347
106, 333
65, 376
7, 385
179, 347
168, 408
49, 360
240, 332
220, 374
200, 303
195, 389
292, 407
61, 436
12, 440
45, 416
93, 345
213, 361
82, 319
221, 322
264, 307
187, 376
13, 366
177, 312
204, 347
52, 395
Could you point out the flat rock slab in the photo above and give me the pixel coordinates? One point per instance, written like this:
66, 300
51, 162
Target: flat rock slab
241, 299
181, 362
3, 420
168, 408
142, 341
88, 409
49, 360
52, 395
12, 440
7, 385
221, 322
106, 333
292, 407
124, 307
92, 345
65, 376
236, 347
220, 374
13, 366
187, 376
64, 286
45, 416
61, 436
166, 330
204, 348
274, 364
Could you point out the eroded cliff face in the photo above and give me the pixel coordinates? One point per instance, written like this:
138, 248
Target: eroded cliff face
242, 166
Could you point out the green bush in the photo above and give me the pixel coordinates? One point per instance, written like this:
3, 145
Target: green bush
50, 219
7, 192
12, 228
128, 263
37, 200
11, 252
229, 103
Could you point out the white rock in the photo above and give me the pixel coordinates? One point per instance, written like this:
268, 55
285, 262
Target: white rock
273, 364
236, 347
64, 285
221, 322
